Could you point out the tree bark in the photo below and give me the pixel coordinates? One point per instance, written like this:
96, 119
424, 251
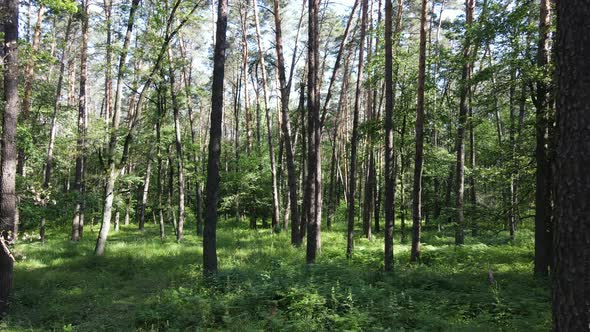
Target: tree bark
187, 78
8, 202
313, 194
273, 169
543, 232
209, 235
77, 223
111, 167
354, 139
419, 157
285, 89
389, 156
463, 110
571, 277
145, 189
178, 146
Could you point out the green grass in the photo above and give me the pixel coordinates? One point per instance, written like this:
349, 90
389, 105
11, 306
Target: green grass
146, 285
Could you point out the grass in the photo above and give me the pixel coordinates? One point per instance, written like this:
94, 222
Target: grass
143, 284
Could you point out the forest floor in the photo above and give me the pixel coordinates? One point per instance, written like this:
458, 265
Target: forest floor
264, 284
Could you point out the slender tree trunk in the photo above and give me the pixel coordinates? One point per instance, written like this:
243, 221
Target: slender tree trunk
145, 189
389, 132
302, 231
419, 158
571, 273
28, 83
463, 110
512, 138
244, 29
285, 88
111, 167
209, 235
198, 187
170, 215
403, 164
8, 202
81, 140
313, 194
178, 145
159, 189
354, 139
53, 128
332, 201
543, 209
273, 171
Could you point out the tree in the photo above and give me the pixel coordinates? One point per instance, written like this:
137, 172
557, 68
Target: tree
28, 80
543, 211
112, 169
78, 221
285, 89
313, 188
390, 37
8, 149
178, 146
571, 289
354, 143
212, 191
52, 131
463, 110
271, 152
419, 157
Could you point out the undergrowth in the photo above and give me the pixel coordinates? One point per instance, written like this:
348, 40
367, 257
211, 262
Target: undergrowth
144, 284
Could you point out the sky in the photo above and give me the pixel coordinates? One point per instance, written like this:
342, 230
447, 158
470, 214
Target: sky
345, 5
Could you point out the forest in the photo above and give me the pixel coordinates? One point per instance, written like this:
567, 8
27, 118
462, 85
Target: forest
295, 165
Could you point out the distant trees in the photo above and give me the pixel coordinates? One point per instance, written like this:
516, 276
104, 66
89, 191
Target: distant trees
571, 286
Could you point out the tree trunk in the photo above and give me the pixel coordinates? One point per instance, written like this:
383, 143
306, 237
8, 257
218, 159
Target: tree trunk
389, 133
160, 208
8, 203
145, 189
313, 188
244, 29
111, 167
28, 83
571, 274
419, 158
81, 140
178, 145
285, 88
209, 235
354, 139
543, 211
463, 110
187, 78
273, 171
53, 129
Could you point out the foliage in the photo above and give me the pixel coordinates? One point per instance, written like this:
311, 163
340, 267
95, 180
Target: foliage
144, 284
